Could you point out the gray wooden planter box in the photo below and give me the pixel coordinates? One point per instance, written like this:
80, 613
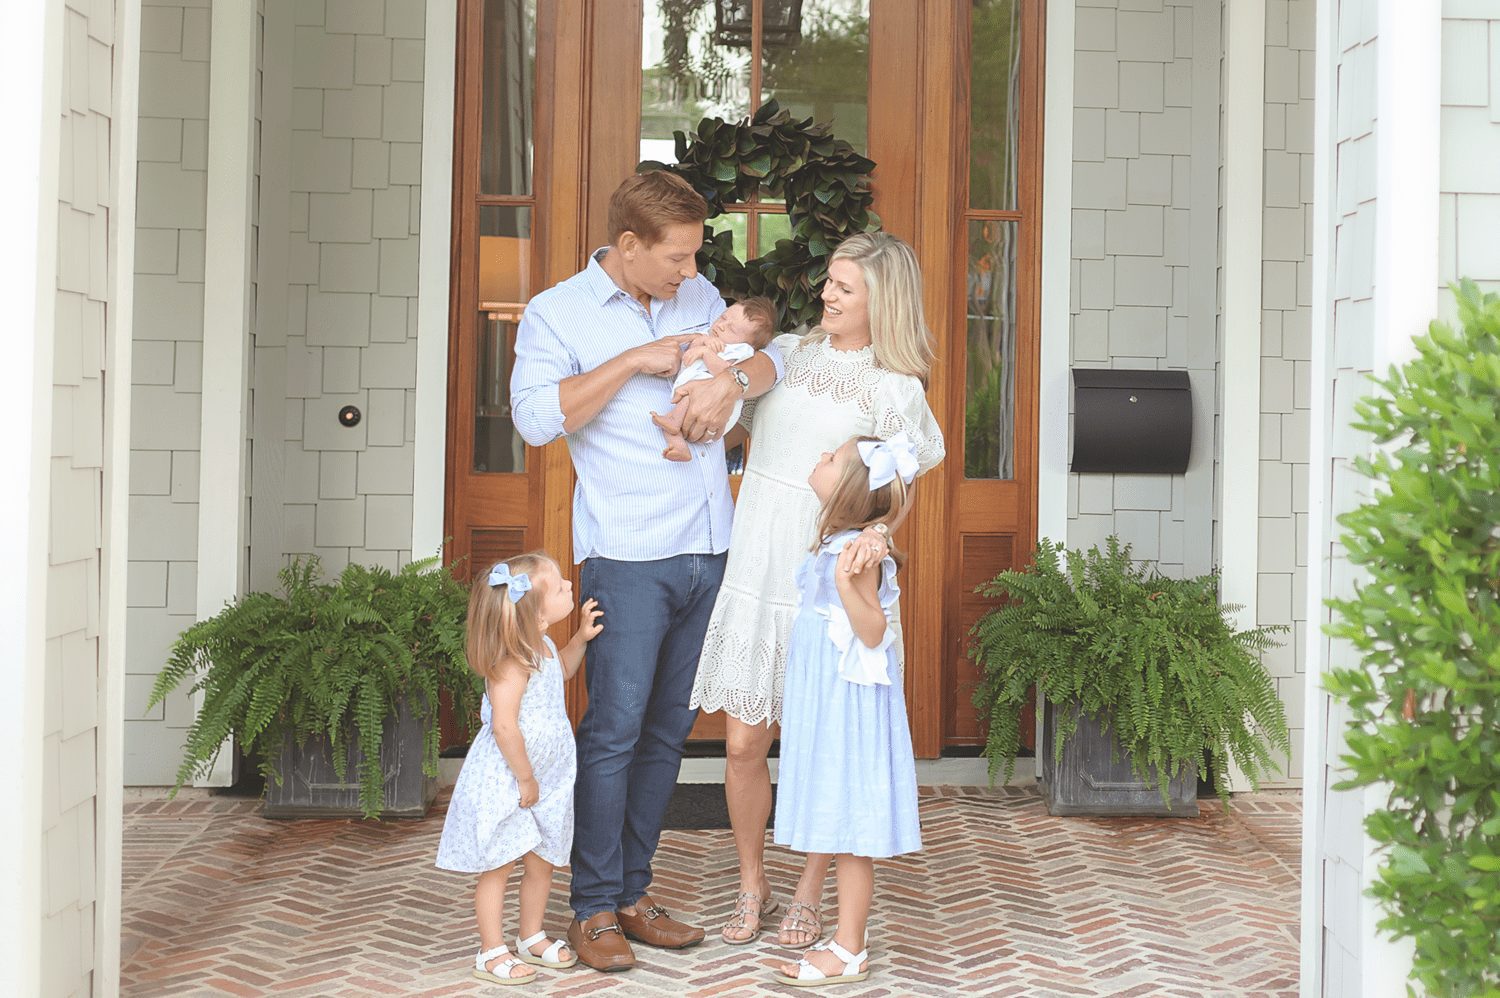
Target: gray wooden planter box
1095, 778
310, 787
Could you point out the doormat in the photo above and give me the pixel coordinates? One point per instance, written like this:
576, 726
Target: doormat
702, 805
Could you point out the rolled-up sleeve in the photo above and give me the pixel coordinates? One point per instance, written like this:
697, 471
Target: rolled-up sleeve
542, 362
773, 351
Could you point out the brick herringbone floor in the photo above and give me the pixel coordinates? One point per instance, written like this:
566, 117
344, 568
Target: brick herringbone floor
1005, 900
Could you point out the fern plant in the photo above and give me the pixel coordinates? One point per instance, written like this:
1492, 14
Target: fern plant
1424, 697
1154, 659
332, 659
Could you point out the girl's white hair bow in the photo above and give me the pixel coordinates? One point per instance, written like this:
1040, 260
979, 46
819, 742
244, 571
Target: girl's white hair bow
517, 585
888, 458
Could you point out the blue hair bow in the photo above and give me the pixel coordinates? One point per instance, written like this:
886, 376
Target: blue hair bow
517, 585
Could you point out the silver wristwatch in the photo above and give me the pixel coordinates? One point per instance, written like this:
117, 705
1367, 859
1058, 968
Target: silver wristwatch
883, 531
740, 378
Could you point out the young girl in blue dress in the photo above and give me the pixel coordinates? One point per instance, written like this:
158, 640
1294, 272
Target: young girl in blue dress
847, 783
514, 798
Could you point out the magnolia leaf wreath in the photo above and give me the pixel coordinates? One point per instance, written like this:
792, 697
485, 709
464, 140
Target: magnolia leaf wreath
825, 183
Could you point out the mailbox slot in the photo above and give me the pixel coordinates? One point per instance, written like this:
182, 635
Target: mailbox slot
1137, 422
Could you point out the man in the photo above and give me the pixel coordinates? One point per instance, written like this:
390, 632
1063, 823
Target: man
595, 356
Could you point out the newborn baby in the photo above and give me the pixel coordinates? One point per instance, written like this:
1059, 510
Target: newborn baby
742, 329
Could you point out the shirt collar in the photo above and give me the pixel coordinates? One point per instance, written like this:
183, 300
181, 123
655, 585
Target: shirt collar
600, 283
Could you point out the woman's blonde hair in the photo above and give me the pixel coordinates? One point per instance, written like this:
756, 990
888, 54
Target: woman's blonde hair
893, 278
499, 630
853, 505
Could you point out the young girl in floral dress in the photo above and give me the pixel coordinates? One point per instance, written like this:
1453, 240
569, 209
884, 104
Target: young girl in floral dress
848, 779
514, 798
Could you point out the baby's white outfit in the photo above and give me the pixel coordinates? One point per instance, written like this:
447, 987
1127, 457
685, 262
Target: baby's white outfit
733, 353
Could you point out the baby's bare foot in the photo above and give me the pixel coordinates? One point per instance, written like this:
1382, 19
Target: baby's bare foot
677, 450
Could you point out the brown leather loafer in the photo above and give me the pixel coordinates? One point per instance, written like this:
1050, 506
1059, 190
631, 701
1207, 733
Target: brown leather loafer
600, 944
653, 926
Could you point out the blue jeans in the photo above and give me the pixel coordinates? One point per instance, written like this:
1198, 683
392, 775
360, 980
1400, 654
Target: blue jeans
639, 677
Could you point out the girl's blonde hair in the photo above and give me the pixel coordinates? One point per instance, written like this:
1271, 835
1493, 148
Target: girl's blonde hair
499, 630
853, 505
898, 326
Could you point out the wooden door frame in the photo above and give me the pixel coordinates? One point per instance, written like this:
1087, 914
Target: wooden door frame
940, 239
569, 218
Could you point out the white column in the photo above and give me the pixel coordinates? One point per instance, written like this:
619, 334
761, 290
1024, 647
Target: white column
119, 335
1407, 139
1244, 142
226, 316
30, 119
429, 455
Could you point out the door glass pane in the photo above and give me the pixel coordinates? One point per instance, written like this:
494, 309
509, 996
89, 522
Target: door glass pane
816, 62
994, 106
504, 289
695, 61
990, 390
736, 223
772, 227
508, 113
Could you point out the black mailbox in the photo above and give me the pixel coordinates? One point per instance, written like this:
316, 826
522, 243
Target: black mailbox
1132, 421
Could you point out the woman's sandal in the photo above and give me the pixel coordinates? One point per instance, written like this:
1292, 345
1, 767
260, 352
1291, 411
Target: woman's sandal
482, 971
548, 958
792, 921
809, 976
743, 913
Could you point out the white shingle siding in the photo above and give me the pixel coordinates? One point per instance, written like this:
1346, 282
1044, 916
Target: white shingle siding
75, 500
1469, 181
1134, 267
166, 400
1286, 357
354, 170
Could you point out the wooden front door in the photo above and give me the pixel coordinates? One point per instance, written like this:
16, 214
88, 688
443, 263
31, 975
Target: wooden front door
557, 102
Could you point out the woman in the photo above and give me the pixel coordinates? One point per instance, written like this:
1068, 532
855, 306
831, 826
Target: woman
862, 371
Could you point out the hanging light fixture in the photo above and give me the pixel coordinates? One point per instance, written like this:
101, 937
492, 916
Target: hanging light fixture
735, 23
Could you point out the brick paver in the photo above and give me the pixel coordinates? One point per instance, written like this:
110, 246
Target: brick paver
1004, 900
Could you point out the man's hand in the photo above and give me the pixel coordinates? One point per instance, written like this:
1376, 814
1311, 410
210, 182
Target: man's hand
707, 406
661, 357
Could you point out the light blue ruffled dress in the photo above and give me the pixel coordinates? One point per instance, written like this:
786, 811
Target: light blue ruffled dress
486, 826
847, 778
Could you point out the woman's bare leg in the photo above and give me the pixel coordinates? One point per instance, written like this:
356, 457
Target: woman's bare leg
489, 910
747, 788
809, 892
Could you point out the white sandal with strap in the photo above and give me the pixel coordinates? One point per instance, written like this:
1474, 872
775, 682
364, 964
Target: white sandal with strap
809, 976
548, 958
482, 971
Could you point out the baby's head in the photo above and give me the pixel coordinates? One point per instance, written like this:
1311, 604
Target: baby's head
751, 321
511, 605
845, 482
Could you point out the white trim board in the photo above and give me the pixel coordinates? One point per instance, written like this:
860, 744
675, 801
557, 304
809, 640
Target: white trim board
1244, 139
1324, 219
226, 319
115, 556
1056, 283
429, 452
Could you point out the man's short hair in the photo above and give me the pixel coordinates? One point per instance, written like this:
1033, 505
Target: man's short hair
649, 202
